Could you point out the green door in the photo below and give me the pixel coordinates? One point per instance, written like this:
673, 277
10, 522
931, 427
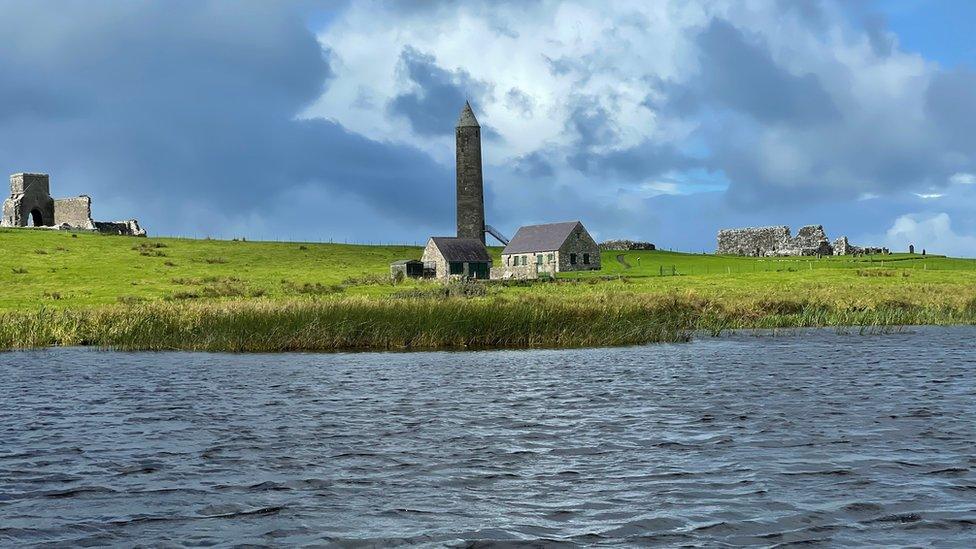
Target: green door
478, 270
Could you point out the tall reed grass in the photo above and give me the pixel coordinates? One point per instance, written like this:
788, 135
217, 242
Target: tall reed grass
345, 323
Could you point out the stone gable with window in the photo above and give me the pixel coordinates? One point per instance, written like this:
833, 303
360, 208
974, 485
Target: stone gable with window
549, 248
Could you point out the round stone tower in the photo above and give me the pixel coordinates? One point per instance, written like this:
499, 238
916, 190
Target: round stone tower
470, 186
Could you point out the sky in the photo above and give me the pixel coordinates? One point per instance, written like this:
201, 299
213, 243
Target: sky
662, 121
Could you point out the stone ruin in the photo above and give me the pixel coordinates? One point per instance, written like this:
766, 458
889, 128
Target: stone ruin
625, 245
778, 241
30, 204
843, 247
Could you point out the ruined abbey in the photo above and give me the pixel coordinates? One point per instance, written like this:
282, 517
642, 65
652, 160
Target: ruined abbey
777, 241
30, 205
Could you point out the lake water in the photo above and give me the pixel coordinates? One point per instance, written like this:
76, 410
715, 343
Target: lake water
741, 440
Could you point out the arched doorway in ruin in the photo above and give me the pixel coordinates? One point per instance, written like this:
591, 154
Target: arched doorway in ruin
36, 219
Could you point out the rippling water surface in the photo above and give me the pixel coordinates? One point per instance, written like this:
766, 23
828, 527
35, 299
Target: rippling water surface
742, 440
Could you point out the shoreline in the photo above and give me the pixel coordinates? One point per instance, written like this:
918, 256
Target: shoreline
740, 333
445, 324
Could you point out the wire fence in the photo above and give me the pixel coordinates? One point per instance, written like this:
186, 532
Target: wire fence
294, 239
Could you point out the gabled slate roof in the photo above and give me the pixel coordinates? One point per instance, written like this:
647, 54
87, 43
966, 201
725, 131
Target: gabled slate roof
541, 238
461, 249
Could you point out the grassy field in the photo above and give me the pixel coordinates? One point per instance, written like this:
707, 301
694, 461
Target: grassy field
155, 293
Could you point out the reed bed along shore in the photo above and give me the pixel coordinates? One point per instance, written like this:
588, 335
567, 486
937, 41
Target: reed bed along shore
425, 323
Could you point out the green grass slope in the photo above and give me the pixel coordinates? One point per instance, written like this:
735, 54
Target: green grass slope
76, 269
68, 270
59, 288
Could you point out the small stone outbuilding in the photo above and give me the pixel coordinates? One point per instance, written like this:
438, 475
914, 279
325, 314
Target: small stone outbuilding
407, 268
457, 258
550, 248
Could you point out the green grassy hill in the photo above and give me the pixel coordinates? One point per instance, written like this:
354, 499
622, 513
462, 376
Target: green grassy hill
75, 269
65, 270
167, 293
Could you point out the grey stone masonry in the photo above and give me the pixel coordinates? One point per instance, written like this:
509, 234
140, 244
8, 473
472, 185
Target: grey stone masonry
812, 240
30, 203
467, 253
579, 252
470, 184
625, 245
74, 212
128, 227
753, 241
842, 246
529, 271
774, 241
777, 241
552, 247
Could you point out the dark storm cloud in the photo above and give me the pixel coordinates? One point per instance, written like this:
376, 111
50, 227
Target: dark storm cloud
187, 106
951, 102
881, 40
535, 165
594, 130
742, 75
433, 108
641, 162
519, 101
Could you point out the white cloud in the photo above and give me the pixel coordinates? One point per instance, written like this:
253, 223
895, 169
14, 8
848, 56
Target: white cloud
962, 178
547, 52
653, 188
934, 233
628, 63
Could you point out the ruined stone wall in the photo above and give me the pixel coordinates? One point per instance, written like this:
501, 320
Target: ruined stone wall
74, 212
30, 202
22, 183
129, 227
625, 245
753, 241
811, 240
774, 241
842, 246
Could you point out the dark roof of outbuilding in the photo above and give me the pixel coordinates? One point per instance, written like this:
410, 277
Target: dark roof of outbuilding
461, 249
406, 261
540, 238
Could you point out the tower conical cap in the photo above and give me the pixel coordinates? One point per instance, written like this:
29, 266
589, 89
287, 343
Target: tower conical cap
467, 118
